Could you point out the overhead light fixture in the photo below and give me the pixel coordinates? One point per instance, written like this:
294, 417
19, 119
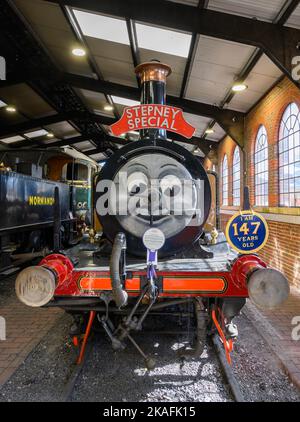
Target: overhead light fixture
11, 109
163, 40
79, 52
124, 101
209, 131
50, 135
2, 104
108, 107
239, 87
102, 27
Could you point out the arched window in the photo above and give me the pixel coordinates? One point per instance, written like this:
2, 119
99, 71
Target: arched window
225, 180
289, 157
236, 177
261, 167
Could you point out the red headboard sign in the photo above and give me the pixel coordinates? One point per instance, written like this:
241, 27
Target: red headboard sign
153, 116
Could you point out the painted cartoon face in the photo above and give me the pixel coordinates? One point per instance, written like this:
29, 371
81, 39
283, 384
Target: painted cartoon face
158, 191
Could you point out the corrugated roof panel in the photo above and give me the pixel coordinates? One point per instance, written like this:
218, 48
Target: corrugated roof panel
263, 76
216, 64
199, 122
95, 101
84, 146
189, 147
10, 118
39, 11
218, 134
266, 10
117, 71
114, 60
98, 157
48, 22
25, 100
69, 63
294, 20
62, 130
176, 63
186, 2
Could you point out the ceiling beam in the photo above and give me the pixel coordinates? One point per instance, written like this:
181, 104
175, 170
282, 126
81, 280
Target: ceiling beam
135, 53
282, 17
23, 50
230, 120
202, 4
37, 142
287, 10
205, 145
29, 125
284, 14
32, 124
106, 120
279, 43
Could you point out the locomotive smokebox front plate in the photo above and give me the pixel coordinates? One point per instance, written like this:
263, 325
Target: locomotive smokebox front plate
153, 185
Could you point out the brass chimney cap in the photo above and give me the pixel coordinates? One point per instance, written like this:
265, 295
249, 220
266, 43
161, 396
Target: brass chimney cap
153, 71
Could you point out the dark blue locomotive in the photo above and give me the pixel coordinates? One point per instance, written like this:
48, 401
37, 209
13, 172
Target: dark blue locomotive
28, 179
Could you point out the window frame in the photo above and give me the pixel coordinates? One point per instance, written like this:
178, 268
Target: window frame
261, 168
289, 157
225, 192
236, 177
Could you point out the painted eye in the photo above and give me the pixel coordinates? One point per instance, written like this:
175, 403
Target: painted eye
170, 185
137, 182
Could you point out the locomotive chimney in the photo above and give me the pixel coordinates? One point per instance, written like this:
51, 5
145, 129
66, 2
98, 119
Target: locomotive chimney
153, 76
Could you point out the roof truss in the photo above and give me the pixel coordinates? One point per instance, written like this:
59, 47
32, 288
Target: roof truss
279, 43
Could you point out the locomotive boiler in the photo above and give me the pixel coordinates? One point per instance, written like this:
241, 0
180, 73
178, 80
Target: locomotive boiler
155, 257
28, 179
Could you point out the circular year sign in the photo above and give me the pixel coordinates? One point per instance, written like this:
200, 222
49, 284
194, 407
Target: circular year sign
247, 232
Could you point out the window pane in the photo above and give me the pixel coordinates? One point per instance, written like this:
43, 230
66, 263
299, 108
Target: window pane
236, 177
225, 180
262, 167
289, 156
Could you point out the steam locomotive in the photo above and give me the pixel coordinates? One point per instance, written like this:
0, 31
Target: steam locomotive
28, 179
153, 199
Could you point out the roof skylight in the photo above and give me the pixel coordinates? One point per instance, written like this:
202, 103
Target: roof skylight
12, 139
163, 40
36, 133
103, 27
124, 101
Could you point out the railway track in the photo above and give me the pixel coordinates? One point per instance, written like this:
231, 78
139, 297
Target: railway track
69, 387
225, 368
227, 371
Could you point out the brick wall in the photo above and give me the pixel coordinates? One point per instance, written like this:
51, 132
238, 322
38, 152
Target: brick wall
283, 248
